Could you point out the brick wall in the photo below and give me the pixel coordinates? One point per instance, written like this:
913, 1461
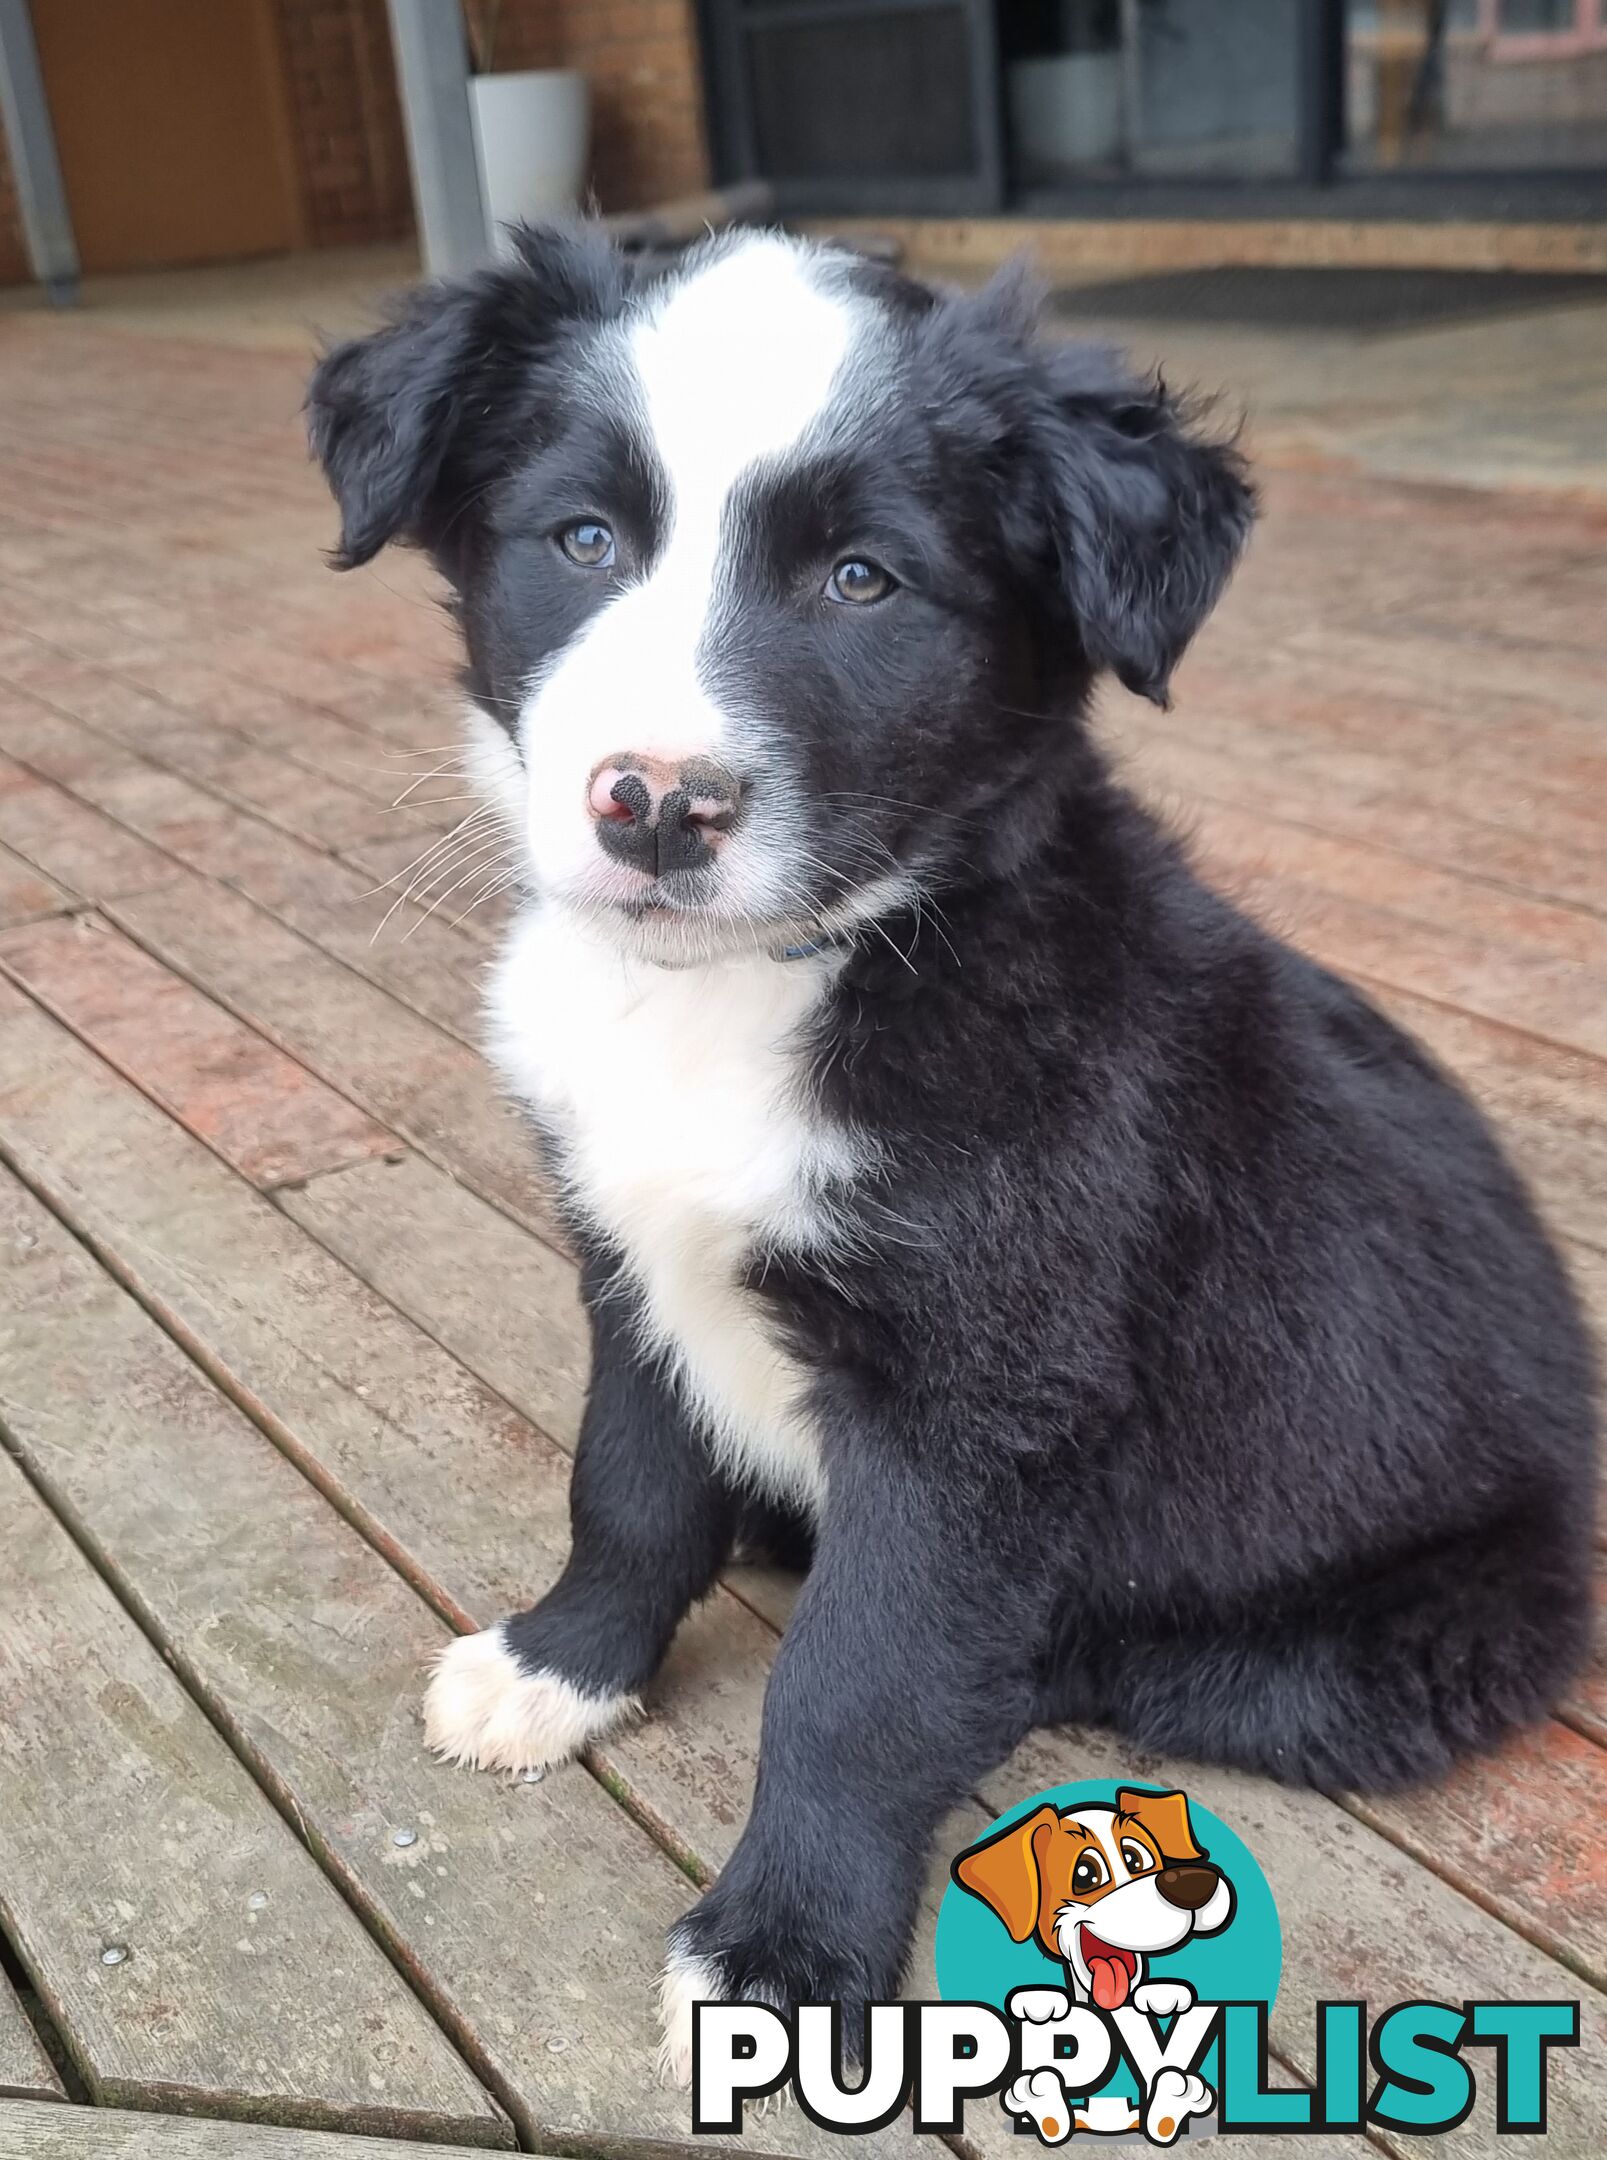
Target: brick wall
641, 57
350, 151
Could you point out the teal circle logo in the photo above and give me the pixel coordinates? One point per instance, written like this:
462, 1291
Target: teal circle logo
1117, 1897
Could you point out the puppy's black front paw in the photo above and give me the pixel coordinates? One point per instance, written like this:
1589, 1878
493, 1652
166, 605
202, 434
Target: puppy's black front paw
722, 1952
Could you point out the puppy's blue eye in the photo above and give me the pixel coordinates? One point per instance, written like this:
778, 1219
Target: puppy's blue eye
859, 582
588, 544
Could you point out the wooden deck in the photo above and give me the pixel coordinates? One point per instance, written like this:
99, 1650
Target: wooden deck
291, 1361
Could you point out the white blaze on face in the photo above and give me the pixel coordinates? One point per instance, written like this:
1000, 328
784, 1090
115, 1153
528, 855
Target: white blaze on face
728, 372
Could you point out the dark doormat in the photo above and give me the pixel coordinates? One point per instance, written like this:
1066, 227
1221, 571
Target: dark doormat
1357, 300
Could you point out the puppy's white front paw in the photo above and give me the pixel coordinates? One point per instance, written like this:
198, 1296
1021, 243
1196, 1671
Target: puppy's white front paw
687, 1980
1039, 2005
483, 1708
1041, 2097
1175, 2096
1163, 1998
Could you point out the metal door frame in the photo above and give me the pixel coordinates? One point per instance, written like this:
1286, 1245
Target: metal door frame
47, 224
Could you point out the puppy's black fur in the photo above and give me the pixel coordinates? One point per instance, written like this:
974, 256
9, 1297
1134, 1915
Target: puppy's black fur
1198, 1366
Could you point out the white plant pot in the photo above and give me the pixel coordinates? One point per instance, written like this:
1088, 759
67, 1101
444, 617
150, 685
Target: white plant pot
531, 130
1066, 109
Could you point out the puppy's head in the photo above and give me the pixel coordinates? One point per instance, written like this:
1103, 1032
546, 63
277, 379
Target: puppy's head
1102, 1886
782, 578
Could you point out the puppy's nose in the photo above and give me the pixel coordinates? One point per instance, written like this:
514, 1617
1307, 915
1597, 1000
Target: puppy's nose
657, 816
1186, 1887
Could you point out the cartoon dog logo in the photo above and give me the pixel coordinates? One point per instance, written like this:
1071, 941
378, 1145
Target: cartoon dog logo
1102, 1888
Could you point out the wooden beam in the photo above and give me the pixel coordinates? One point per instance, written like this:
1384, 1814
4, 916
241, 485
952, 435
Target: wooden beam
1090, 247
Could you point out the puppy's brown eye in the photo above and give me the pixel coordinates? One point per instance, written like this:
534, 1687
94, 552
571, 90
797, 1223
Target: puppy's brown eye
1137, 1859
588, 544
859, 582
1088, 1874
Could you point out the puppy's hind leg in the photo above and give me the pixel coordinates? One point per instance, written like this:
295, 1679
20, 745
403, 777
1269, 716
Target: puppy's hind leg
1386, 1682
770, 1533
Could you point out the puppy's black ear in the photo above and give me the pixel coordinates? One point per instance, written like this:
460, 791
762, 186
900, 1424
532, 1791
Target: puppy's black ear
413, 423
1147, 513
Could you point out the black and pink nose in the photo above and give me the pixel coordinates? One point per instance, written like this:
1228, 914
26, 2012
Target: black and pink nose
657, 816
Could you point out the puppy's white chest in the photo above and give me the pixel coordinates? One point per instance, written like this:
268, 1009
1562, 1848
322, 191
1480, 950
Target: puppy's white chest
674, 1098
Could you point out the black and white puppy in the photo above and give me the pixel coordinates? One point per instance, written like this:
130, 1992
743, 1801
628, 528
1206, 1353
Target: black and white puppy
1138, 1325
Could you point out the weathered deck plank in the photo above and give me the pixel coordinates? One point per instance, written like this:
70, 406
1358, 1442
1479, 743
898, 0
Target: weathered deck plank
423, 1241
26, 893
78, 847
529, 1919
261, 1111
1447, 818
406, 1072
255, 779
424, 963
354, 758
1521, 1830
203, 1259
1525, 963
1546, 1096
29, 2131
125, 1823
319, 1355
26, 2071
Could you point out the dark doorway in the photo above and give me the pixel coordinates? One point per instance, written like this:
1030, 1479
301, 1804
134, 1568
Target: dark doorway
847, 104
1404, 108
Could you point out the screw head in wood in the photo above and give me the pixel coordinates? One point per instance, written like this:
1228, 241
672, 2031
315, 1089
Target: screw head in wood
404, 1838
115, 1954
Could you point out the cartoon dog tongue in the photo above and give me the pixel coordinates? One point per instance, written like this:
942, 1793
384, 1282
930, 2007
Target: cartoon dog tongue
1109, 1971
